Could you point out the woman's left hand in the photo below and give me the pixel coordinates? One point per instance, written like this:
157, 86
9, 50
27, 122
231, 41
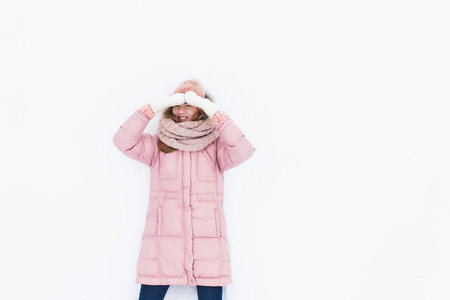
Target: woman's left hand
208, 107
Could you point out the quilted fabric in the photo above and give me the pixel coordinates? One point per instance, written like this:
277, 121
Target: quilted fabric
184, 241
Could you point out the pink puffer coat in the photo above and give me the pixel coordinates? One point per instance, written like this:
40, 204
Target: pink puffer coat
184, 240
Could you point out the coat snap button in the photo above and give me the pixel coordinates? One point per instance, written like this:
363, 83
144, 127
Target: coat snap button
189, 257
192, 280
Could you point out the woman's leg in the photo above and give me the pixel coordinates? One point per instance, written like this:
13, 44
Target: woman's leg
153, 292
209, 292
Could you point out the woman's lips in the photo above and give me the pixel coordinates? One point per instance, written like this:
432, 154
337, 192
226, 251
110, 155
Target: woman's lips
182, 119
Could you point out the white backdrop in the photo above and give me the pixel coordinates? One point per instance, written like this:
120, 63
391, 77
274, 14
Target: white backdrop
346, 102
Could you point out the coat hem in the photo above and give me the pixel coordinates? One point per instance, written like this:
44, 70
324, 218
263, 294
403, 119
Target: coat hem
165, 280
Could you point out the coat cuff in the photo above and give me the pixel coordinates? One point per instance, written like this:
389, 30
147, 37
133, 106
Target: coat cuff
147, 110
219, 115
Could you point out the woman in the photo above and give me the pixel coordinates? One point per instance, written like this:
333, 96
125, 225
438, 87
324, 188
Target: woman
184, 241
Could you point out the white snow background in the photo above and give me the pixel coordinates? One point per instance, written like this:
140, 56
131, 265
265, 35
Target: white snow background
347, 105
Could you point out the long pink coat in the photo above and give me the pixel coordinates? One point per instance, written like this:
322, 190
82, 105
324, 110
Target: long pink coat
184, 240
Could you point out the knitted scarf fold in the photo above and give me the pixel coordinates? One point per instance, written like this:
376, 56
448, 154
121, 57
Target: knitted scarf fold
187, 135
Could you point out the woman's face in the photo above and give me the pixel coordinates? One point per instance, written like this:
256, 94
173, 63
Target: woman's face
184, 112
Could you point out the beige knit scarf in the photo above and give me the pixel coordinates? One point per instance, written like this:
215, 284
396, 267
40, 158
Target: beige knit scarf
187, 135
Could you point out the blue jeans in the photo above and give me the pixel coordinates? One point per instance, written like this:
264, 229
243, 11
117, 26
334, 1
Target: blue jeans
157, 292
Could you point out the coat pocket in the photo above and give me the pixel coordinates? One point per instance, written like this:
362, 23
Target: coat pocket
168, 165
205, 167
158, 222
217, 219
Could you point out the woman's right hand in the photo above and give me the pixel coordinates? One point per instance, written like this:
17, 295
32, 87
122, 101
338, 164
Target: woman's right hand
159, 105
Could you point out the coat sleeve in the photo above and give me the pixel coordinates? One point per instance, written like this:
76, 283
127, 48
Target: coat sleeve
132, 142
233, 148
